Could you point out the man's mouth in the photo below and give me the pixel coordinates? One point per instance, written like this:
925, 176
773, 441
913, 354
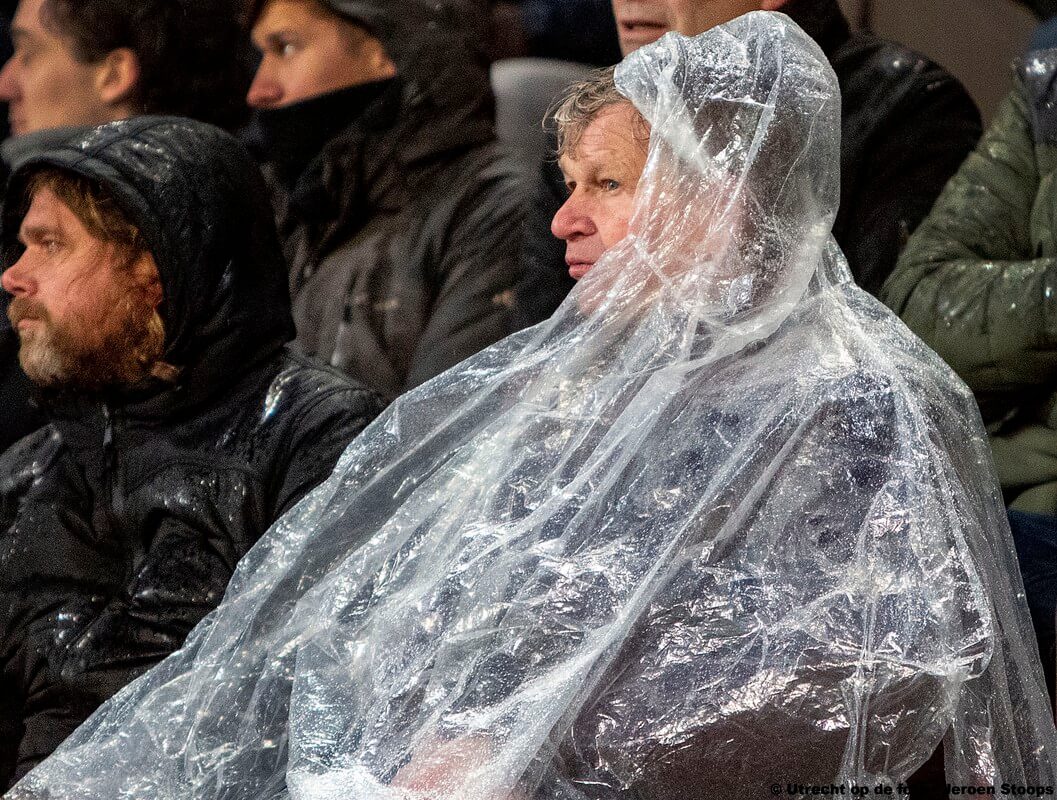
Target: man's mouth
642, 31
577, 269
24, 313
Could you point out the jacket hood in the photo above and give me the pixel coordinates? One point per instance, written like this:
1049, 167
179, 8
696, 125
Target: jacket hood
202, 207
438, 49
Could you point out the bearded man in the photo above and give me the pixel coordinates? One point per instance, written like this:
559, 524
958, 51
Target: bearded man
153, 315
87, 62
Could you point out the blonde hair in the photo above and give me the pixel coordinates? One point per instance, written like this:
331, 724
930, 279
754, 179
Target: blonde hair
581, 104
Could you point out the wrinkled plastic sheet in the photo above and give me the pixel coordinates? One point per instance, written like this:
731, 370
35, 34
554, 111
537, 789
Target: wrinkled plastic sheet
722, 523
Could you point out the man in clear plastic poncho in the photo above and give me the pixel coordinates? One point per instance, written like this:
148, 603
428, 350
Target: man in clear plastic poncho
721, 524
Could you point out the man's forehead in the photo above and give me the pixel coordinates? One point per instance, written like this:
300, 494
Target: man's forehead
27, 19
279, 13
47, 212
611, 135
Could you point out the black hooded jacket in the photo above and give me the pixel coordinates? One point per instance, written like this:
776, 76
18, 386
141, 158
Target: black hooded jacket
122, 520
907, 125
403, 232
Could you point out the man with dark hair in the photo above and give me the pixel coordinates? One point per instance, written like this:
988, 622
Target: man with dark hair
150, 298
401, 216
86, 62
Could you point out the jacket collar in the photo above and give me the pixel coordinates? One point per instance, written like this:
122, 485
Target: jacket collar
291, 138
373, 165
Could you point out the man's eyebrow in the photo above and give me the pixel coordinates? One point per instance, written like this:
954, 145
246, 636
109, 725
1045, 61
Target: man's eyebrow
19, 33
34, 232
277, 38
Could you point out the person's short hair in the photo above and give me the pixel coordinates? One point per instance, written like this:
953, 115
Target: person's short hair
256, 7
360, 33
582, 102
93, 207
192, 54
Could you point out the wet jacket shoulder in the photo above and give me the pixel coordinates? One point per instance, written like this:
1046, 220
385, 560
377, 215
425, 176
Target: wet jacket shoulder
907, 125
404, 234
976, 283
122, 520
420, 284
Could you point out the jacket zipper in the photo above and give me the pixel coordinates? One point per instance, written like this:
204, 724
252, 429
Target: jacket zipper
111, 491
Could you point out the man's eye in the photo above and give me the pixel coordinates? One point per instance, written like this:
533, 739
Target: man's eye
287, 49
50, 245
610, 185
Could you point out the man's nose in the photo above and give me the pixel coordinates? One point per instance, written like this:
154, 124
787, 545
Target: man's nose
265, 91
17, 279
9, 87
572, 221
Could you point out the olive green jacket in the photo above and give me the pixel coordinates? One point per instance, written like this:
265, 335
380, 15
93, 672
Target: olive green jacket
978, 282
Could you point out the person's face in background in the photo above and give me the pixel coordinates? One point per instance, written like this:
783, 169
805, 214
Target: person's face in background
642, 22
691, 17
47, 86
602, 172
307, 51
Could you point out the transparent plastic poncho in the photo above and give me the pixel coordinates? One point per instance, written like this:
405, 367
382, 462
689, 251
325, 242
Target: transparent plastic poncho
721, 523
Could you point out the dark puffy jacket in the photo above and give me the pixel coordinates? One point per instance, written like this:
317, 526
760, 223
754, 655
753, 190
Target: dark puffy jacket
907, 127
404, 233
122, 520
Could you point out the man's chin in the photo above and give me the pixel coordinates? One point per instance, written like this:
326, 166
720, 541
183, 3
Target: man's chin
577, 271
18, 126
42, 367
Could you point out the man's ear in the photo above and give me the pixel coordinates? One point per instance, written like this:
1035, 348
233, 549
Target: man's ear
117, 77
772, 5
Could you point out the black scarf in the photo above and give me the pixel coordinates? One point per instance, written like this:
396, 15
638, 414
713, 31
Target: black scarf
289, 138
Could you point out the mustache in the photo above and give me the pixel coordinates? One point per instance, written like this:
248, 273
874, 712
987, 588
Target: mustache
21, 308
